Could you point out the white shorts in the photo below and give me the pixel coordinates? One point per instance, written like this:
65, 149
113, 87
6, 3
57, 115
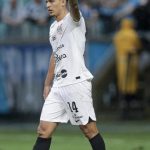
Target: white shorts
73, 102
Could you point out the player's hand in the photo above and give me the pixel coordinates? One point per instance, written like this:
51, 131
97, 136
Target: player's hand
46, 91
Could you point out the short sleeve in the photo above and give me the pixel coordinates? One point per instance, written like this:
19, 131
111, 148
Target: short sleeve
77, 23
73, 24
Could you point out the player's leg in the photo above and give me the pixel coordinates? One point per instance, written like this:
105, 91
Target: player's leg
45, 131
52, 113
79, 107
92, 134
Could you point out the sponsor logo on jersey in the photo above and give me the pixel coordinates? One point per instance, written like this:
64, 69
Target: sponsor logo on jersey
61, 74
60, 46
59, 57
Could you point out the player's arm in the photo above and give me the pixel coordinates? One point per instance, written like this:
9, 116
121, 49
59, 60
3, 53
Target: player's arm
74, 9
49, 77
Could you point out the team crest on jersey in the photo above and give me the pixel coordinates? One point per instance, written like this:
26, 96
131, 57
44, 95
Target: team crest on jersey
59, 29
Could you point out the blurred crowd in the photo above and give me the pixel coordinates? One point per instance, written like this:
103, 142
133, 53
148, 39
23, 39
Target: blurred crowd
23, 19
125, 22
20, 18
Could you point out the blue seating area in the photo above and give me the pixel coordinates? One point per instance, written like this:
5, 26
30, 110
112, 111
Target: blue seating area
3, 98
98, 55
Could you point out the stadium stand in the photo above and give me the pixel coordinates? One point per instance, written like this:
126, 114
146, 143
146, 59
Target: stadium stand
30, 44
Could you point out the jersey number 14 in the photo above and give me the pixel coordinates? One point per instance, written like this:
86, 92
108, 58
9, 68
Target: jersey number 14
73, 107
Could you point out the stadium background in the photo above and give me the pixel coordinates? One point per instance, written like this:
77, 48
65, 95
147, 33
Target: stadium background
24, 58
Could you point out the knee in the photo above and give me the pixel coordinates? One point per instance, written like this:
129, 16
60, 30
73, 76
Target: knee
89, 130
42, 131
45, 130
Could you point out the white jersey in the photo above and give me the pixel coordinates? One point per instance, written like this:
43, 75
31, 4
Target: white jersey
67, 38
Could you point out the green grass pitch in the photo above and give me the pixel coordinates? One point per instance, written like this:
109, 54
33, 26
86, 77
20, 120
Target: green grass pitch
67, 138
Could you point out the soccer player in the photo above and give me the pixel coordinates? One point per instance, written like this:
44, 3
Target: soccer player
67, 89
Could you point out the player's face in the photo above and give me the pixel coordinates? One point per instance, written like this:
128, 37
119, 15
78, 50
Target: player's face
55, 6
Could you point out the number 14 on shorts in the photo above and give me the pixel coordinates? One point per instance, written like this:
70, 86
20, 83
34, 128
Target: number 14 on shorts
72, 106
